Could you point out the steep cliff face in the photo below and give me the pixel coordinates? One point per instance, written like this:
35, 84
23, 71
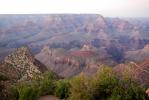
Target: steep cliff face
73, 62
21, 65
111, 41
42, 29
71, 31
58, 61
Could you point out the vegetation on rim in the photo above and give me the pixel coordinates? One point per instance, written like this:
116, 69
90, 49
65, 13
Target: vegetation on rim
104, 85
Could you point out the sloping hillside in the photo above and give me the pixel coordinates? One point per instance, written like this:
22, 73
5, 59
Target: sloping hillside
21, 65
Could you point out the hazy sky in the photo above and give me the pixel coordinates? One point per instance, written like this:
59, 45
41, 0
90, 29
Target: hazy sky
114, 8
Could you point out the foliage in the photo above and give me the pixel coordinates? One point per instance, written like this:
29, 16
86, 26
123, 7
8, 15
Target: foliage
50, 75
3, 78
14, 92
103, 82
4, 92
105, 85
132, 92
28, 91
62, 89
47, 83
80, 89
46, 87
31, 90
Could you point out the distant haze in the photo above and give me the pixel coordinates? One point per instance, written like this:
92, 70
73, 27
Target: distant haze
110, 8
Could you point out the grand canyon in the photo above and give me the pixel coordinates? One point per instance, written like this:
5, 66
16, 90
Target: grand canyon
72, 45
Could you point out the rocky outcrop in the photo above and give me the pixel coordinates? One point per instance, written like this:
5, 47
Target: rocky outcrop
21, 65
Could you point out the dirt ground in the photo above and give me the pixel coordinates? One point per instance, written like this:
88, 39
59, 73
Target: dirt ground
48, 97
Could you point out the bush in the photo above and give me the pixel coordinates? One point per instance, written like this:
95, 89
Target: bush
47, 83
4, 91
129, 89
31, 90
46, 87
13, 92
108, 86
50, 75
105, 85
104, 81
133, 92
62, 89
80, 89
3, 78
28, 91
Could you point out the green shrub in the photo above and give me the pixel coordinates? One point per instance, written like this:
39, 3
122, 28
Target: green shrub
80, 88
62, 89
31, 90
5, 94
28, 91
50, 75
132, 92
47, 87
3, 78
104, 81
47, 83
105, 85
136, 92
14, 92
